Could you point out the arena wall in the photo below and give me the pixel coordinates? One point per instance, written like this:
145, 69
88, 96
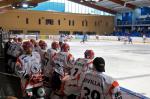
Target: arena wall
27, 21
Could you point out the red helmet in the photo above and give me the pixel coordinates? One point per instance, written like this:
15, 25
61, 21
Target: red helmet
89, 54
20, 39
32, 41
65, 47
42, 44
55, 45
26, 45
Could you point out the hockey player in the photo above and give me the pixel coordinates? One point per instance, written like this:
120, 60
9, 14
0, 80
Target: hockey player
96, 85
64, 59
55, 48
15, 40
14, 50
35, 45
20, 41
81, 65
130, 40
61, 39
144, 38
43, 52
63, 63
28, 63
84, 38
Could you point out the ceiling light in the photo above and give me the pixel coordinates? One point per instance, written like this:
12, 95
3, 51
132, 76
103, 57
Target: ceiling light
24, 5
81, 1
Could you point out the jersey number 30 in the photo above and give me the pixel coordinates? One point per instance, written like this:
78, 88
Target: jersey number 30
91, 94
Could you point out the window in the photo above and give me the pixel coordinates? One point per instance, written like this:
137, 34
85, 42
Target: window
69, 22
58, 22
86, 23
72, 22
82, 23
39, 21
27, 21
106, 24
95, 23
99, 23
49, 22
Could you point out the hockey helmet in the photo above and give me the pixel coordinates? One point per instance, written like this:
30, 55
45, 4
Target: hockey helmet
20, 39
65, 47
89, 54
42, 44
55, 45
26, 45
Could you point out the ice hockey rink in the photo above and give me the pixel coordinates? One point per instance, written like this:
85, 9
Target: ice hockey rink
129, 63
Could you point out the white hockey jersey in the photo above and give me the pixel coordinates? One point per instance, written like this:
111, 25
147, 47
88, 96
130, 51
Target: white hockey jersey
15, 49
63, 62
51, 53
28, 64
43, 54
96, 85
81, 65
49, 67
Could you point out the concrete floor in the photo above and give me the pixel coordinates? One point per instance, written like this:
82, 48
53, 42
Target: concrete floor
129, 64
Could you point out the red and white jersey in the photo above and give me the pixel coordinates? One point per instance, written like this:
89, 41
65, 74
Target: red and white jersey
63, 62
15, 49
49, 67
81, 65
51, 53
28, 64
44, 60
36, 48
42, 53
96, 85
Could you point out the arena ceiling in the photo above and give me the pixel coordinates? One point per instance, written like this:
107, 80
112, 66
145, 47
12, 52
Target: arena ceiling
7, 4
110, 6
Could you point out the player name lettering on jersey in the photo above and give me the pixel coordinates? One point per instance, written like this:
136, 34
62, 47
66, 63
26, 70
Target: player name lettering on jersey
93, 82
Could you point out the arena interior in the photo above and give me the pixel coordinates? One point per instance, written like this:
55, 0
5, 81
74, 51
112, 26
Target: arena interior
116, 30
